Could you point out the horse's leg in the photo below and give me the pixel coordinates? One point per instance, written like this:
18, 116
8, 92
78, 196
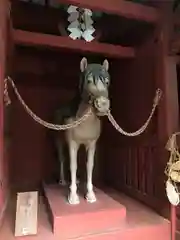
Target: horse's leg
73, 198
90, 196
59, 146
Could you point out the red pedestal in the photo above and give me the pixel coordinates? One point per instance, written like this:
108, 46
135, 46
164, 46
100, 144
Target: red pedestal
70, 221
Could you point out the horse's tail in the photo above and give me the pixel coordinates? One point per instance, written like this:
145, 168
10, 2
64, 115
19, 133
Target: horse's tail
59, 118
61, 157
58, 143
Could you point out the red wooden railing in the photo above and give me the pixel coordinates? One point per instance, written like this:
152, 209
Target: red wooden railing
137, 170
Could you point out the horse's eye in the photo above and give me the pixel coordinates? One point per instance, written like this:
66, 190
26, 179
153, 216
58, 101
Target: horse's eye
89, 79
107, 81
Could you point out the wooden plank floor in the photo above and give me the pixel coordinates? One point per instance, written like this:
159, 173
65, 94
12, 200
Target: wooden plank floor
141, 223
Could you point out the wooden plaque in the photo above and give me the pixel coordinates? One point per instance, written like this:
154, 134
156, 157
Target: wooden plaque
26, 214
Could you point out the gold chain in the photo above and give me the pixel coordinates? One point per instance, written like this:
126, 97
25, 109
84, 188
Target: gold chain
38, 119
83, 118
143, 128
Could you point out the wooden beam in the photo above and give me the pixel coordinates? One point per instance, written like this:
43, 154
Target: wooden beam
45, 40
3, 41
175, 47
176, 19
119, 7
175, 44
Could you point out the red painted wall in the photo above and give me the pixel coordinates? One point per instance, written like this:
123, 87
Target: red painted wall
135, 165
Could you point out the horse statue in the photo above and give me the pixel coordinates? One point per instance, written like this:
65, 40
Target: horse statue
93, 86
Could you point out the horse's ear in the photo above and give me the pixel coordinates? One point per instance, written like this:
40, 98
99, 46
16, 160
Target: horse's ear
83, 64
106, 65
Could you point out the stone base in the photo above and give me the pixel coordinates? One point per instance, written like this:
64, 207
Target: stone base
71, 221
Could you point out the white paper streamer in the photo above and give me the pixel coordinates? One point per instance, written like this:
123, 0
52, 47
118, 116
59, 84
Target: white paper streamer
80, 28
172, 194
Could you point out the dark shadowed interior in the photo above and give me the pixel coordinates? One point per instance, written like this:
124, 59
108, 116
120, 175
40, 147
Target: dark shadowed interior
46, 78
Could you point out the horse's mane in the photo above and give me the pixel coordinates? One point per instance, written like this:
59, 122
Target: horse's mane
70, 108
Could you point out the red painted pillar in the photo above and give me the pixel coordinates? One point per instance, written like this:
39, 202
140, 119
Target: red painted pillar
3, 18
167, 79
173, 222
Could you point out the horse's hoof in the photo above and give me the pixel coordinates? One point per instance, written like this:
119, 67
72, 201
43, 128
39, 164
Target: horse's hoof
73, 199
90, 197
62, 182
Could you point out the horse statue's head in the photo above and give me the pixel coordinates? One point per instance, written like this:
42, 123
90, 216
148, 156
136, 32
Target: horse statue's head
94, 85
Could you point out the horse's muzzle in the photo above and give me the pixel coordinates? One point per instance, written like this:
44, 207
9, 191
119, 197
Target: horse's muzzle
102, 105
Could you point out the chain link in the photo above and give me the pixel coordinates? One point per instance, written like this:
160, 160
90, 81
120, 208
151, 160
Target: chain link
83, 118
143, 128
38, 119
7, 99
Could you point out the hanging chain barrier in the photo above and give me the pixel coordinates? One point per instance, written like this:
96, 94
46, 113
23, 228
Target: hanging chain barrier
145, 125
34, 116
77, 122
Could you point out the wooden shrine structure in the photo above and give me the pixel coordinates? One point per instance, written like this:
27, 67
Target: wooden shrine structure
142, 41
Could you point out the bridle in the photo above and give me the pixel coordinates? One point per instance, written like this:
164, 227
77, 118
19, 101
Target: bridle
101, 104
